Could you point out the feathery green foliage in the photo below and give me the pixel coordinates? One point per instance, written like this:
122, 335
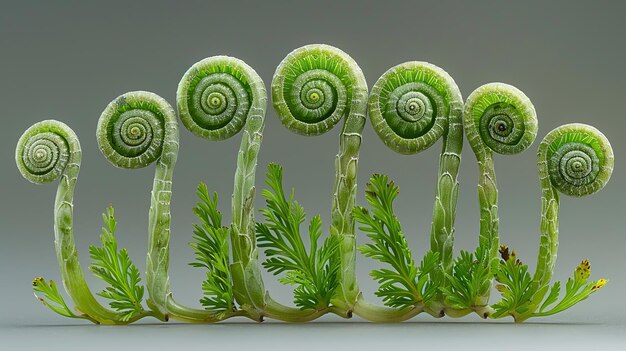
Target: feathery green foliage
404, 285
314, 273
116, 269
51, 297
515, 285
212, 252
470, 280
576, 289
522, 299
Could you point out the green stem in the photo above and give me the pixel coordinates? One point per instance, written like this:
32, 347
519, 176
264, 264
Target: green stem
411, 106
577, 160
383, 314
193, 315
239, 102
498, 118
47, 151
146, 117
313, 88
446, 193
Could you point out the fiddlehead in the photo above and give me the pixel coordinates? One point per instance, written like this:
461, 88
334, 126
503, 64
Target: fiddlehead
577, 160
497, 118
411, 106
49, 151
135, 130
216, 98
313, 88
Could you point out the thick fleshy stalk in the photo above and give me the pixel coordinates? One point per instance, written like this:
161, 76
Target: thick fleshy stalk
497, 118
411, 106
135, 130
217, 97
576, 160
313, 88
47, 151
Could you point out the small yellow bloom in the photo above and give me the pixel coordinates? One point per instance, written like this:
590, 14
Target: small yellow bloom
599, 284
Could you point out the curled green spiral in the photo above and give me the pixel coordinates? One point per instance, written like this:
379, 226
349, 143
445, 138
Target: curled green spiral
47, 151
501, 117
409, 106
134, 130
313, 88
44, 151
131, 129
574, 159
215, 96
578, 158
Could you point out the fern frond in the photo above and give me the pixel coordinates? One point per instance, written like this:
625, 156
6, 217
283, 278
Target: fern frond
51, 297
403, 285
312, 272
470, 280
577, 289
212, 253
116, 269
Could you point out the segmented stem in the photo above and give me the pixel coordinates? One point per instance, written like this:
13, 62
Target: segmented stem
216, 98
314, 87
47, 151
577, 160
497, 118
134, 130
411, 106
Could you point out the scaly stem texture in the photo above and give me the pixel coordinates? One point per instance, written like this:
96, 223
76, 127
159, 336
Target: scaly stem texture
577, 160
216, 98
134, 130
498, 118
313, 88
411, 106
47, 151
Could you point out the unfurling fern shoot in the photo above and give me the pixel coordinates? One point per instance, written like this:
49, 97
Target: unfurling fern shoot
497, 118
314, 88
135, 130
577, 160
411, 106
47, 151
218, 97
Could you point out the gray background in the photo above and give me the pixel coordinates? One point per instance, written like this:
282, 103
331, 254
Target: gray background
67, 60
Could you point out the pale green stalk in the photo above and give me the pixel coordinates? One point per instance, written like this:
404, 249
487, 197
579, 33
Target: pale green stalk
497, 118
411, 106
574, 159
216, 98
313, 88
135, 130
47, 151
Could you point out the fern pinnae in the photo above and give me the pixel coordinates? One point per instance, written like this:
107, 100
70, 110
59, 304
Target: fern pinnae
218, 97
313, 88
49, 151
498, 118
212, 253
116, 268
313, 272
137, 129
411, 106
576, 160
